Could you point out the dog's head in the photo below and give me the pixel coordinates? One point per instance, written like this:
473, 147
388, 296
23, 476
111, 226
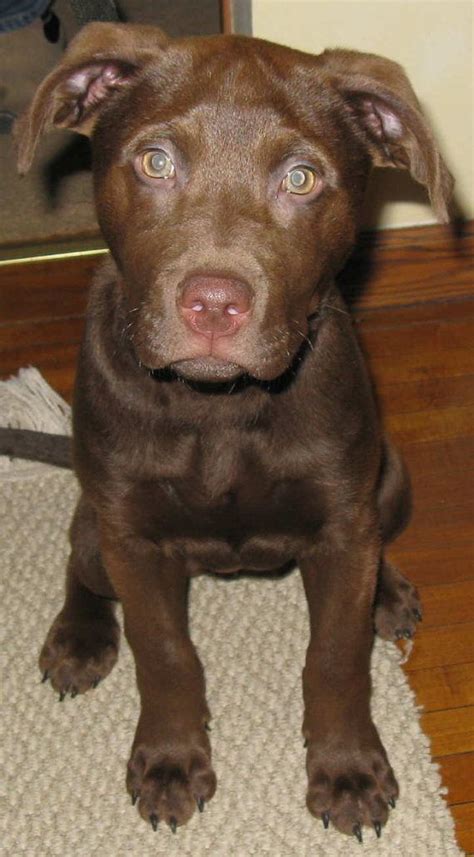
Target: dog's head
229, 175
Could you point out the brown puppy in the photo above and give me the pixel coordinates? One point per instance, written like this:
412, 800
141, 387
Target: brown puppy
223, 417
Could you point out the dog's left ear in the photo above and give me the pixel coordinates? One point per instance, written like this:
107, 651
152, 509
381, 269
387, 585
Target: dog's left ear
101, 59
386, 111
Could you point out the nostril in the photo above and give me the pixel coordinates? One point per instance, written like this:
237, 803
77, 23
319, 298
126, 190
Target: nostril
214, 305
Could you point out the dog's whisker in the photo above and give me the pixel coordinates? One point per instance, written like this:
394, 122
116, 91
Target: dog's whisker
336, 308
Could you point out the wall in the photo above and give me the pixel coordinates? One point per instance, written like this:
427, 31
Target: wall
433, 41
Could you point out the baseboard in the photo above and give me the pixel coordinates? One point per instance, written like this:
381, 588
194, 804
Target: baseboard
395, 268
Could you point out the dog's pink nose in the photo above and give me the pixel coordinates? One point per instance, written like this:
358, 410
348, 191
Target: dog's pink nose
215, 306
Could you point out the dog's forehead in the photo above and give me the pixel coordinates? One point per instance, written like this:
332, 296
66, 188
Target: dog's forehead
238, 62
253, 71
242, 86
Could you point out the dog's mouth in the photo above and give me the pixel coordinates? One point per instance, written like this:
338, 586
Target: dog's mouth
196, 362
208, 369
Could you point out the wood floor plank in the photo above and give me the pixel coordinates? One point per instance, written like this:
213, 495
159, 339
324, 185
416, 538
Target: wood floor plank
447, 604
48, 332
424, 394
463, 815
406, 269
446, 464
436, 564
427, 426
439, 647
465, 840
404, 366
443, 687
458, 775
417, 341
440, 530
45, 290
421, 313
451, 731
437, 528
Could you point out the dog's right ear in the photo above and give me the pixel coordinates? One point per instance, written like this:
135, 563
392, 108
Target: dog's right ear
101, 59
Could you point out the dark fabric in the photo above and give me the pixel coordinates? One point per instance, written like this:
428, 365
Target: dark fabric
36, 446
19, 13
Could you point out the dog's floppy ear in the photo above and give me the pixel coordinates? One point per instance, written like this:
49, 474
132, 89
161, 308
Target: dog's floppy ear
100, 60
380, 99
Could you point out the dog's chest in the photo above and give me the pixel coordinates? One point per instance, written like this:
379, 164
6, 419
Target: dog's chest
227, 506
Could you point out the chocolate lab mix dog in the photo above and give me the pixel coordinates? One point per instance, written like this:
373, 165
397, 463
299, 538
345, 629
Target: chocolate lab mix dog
223, 417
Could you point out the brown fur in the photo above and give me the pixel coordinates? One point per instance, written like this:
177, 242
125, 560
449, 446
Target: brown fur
254, 450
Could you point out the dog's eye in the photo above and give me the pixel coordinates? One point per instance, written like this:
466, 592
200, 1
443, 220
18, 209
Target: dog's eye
299, 180
157, 164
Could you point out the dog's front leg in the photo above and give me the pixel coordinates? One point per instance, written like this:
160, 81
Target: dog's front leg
350, 780
169, 772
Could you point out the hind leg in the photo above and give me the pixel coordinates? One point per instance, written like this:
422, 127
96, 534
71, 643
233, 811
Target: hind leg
397, 604
82, 644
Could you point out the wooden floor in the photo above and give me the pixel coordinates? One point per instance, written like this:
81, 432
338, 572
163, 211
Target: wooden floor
422, 361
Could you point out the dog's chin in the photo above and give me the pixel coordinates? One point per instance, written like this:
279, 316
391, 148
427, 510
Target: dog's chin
207, 369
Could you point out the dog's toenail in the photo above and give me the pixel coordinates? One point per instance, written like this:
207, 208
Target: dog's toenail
45, 677
154, 821
325, 818
357, 832
305, 744
398, 635
62, 695
173, 824
407, 634
135, 798
73, 693
200, 804
392, 802
418, 616
378, 828
207, 727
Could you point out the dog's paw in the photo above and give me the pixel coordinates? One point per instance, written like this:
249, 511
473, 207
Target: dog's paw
77, 655
397, 606
169, 785
353, 794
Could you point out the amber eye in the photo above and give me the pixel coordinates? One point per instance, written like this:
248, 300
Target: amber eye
157, 164
299, 180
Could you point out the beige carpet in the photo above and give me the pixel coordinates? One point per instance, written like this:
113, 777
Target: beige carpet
63, 764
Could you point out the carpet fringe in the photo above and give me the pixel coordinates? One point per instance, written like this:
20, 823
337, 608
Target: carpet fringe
27, 401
